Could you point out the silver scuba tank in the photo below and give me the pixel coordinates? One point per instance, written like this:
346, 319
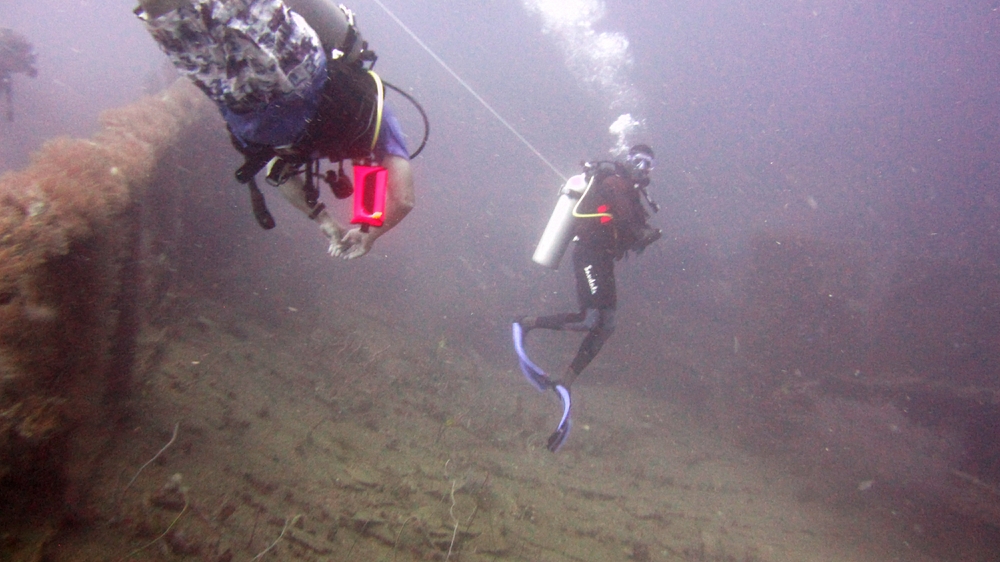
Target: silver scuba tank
559, 230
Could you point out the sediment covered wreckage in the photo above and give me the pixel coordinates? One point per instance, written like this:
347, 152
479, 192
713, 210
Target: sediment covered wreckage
82, 268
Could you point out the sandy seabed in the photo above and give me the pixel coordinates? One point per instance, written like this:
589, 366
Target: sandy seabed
305, 440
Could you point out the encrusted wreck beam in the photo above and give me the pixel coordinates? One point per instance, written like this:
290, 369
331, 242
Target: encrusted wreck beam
72, 287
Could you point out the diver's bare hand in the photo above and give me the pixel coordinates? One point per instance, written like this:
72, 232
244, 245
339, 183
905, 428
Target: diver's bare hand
354, 244
331, 229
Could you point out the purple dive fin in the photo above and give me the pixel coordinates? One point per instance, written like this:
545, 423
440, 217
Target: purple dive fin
559, 436
532, 372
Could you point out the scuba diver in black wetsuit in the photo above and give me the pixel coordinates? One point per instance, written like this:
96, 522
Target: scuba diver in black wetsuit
16, 57
609, 220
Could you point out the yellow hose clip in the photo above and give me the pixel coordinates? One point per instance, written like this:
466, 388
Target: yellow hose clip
379, 105
584, 196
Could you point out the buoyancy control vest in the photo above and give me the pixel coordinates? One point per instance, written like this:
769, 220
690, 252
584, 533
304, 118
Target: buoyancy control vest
346, 124
611, 213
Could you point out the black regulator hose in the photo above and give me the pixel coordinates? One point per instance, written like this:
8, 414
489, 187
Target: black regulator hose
423, 114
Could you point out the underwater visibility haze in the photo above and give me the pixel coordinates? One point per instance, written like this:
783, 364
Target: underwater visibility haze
806, 366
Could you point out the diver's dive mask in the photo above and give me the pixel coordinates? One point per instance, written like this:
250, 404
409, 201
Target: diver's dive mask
640, 161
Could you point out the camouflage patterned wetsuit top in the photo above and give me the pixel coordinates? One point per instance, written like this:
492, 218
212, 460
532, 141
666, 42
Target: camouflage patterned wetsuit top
255, 59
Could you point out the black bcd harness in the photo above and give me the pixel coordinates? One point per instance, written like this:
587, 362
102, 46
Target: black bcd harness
343, 129
640, 235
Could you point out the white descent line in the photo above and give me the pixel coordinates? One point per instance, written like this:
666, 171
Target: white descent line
471, 91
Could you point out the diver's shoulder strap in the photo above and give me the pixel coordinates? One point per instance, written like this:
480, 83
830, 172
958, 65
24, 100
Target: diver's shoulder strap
348, 121
599, 169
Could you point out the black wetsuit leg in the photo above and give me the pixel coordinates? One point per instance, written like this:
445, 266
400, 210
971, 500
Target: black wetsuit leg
595, 278
600, 324
597, 297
